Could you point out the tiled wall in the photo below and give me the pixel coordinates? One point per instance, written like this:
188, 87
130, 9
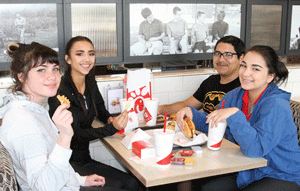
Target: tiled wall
172, 88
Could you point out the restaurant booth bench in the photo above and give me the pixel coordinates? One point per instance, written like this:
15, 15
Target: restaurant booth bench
7, 175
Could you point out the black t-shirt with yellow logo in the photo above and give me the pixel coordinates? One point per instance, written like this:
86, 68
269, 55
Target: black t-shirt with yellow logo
211, 91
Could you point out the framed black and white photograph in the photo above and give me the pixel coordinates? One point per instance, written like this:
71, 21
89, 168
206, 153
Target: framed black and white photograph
100, 21
266, 24
180, 30
25, 23
293, 33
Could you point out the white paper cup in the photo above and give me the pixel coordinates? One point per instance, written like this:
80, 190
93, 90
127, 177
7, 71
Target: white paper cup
126, 104
163, 142
150, 111
215, 135
133, 121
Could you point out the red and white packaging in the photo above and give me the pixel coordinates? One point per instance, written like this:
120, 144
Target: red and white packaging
143, 149
138, 88
150, 113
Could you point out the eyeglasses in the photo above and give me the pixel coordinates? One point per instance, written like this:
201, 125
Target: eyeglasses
226, 55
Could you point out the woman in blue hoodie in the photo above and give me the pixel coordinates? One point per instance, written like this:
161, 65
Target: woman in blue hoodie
260, 120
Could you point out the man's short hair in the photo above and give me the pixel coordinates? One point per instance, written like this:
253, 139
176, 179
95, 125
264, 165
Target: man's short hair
200, 13
175, 10
237, 43
222, 14
146, 12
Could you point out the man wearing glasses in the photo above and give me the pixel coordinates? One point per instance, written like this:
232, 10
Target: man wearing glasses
228, 53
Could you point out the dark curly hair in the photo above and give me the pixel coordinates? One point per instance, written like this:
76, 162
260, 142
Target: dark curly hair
27, 56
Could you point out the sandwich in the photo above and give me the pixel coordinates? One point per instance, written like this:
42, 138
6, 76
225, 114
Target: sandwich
189, 128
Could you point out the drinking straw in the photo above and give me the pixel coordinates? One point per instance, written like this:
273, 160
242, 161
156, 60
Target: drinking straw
150, 91
223, 104
165, 123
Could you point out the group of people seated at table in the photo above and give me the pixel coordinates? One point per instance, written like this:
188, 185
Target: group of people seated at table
50, 149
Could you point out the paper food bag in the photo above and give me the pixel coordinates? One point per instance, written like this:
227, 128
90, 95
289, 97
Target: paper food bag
136, 135
138, 89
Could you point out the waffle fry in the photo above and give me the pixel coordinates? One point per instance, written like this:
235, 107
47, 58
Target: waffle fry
63, 99
127, 106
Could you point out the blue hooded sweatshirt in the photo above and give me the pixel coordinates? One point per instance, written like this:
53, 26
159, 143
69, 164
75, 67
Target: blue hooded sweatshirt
270, 133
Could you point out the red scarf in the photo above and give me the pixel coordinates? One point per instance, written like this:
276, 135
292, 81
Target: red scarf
246, 103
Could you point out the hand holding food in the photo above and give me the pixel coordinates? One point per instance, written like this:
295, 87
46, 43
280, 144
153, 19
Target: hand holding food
63, 119
189, 128
183, 113
121, 120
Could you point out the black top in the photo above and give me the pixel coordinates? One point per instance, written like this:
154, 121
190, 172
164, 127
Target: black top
211, 91
83, 131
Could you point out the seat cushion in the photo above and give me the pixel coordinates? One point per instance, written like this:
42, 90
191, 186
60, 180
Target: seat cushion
295, 106
7, 175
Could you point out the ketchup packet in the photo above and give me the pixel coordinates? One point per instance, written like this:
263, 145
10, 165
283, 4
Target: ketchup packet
186, 152
173, 154
178, 161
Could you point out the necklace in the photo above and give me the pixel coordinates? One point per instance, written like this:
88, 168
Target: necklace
250, 108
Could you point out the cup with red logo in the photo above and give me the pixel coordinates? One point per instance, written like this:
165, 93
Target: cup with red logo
215, 135
163, 142
127, 105
150, 111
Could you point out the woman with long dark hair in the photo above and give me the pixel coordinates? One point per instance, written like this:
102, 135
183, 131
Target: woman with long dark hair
260, 121
79, 85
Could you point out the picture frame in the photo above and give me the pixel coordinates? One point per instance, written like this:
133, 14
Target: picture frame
100, 21
265, 24
133, 18
293, 29
32, 20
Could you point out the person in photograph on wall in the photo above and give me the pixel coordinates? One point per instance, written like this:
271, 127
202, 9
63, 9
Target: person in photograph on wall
151, 32
200, 34
228, 54
298, 39
295, 42
177, 33
20, 24
79, 85
219, 28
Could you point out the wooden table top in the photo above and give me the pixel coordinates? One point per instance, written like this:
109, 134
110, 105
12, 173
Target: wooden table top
208, 163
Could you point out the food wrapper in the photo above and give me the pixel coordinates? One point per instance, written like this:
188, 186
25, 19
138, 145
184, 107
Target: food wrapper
136, 135
181, 140
132, 123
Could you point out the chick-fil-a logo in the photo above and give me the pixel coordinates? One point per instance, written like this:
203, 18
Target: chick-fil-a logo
139, 99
